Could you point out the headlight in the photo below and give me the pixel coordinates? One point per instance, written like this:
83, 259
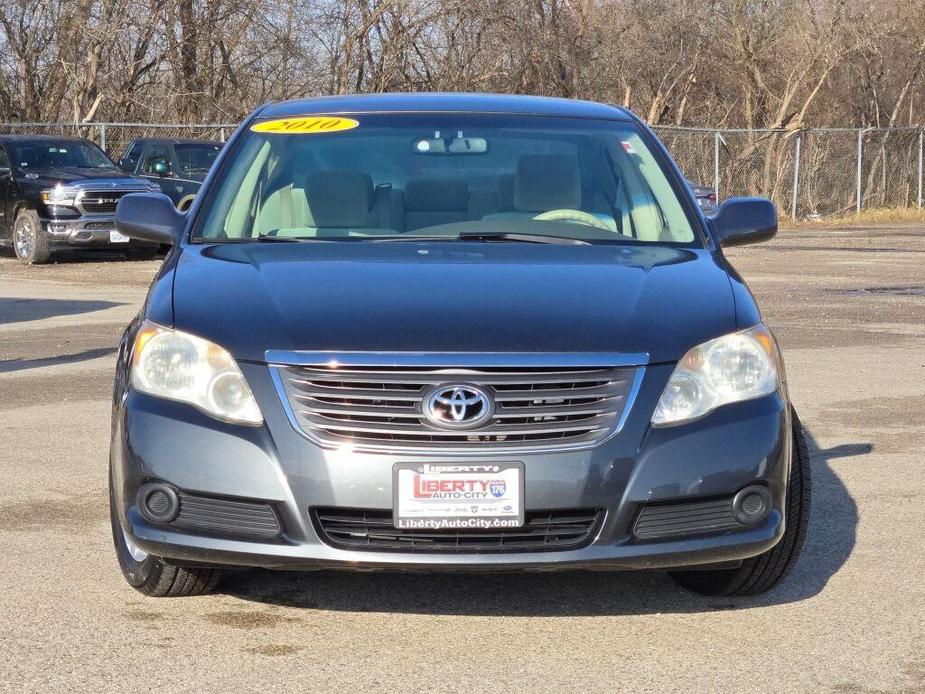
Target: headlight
59, 195
179, 366
732, 368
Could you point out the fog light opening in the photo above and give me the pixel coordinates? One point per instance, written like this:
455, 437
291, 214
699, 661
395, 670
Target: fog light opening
751, 505
158, 502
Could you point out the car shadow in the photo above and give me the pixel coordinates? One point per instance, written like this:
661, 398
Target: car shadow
14, 310
10, 365
831, 539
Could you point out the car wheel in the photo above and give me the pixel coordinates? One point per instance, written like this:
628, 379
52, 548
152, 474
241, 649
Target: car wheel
152, 575
762, 573
146, 253
29, 241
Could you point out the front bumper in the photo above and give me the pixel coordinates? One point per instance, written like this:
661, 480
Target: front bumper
736, 446
88, 230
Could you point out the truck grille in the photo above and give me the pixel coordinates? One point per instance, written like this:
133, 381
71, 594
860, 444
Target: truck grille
381, 408
100, 202
373, 530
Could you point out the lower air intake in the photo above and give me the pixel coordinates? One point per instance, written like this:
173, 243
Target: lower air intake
691, 518
372, 530
206, 515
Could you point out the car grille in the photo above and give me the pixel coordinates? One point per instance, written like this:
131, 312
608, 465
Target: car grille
381, 408
98, 202
689, 518
373, 530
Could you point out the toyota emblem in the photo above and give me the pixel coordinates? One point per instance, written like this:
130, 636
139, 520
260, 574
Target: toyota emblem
458, 406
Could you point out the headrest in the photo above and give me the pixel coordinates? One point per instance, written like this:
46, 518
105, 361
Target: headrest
506, 192
339, 199
547, 182
443, 195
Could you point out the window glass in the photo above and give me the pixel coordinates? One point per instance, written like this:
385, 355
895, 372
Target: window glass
196, 159
157, 154
59, 154
439, 175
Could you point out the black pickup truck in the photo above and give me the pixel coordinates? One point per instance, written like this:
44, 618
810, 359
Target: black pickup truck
61, 192
177, 166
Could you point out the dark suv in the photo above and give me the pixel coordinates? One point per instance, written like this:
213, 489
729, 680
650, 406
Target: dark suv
451, 332
61, 192
178, 167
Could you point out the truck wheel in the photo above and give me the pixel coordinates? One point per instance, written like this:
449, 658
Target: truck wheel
29, 241
152, 575
762, 573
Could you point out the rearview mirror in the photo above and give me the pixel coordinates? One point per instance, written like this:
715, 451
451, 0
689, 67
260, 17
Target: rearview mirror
455, 145
149, 217
744, 220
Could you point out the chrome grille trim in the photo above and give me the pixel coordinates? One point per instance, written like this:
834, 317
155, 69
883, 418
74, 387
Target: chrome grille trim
380, 408
99, 201
457, 360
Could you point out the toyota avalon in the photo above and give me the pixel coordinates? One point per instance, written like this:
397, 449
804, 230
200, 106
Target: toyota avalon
451, 332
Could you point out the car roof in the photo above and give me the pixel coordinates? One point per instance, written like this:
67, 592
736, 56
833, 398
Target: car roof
449, 102
176, 141
42, 138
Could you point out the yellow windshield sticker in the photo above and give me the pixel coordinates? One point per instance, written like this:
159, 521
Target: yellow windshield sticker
305, 125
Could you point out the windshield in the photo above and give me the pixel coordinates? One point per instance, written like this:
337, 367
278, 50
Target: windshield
196, 158
444, 176
59, 154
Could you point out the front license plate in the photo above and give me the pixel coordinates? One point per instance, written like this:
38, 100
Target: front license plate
116, 237
437, 496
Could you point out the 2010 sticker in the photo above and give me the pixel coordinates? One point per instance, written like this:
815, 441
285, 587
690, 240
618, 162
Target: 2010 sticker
305, 125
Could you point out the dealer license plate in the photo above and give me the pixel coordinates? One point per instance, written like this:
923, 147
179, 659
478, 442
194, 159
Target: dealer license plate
437, 496
116, 237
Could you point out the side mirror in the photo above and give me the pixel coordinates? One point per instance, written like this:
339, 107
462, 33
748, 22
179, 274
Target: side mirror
744, 220
126, 165
149, 217
161, 168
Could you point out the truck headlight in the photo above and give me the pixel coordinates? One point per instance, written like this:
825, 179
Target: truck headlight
732, 368
176, 365
63, 196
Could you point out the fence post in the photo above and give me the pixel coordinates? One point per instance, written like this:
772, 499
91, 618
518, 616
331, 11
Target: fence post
222, 133
102, 136
796, 175
858, 192
921, 142
716, 139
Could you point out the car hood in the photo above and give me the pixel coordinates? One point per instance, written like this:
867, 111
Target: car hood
451, 297
66, 175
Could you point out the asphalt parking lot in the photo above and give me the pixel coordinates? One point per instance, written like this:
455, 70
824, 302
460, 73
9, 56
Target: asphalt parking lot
849, 308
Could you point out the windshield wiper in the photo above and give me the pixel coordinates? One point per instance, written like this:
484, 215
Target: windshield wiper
283, 239
522, 238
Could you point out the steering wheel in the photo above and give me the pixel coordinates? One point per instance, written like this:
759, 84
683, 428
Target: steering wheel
579, 216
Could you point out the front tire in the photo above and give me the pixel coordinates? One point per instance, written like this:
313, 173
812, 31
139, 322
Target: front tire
154, 576
762, 573
29, 240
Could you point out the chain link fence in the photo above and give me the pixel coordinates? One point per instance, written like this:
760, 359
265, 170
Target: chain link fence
808, 173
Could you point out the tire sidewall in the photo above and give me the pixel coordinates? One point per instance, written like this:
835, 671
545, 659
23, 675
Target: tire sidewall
135, 572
